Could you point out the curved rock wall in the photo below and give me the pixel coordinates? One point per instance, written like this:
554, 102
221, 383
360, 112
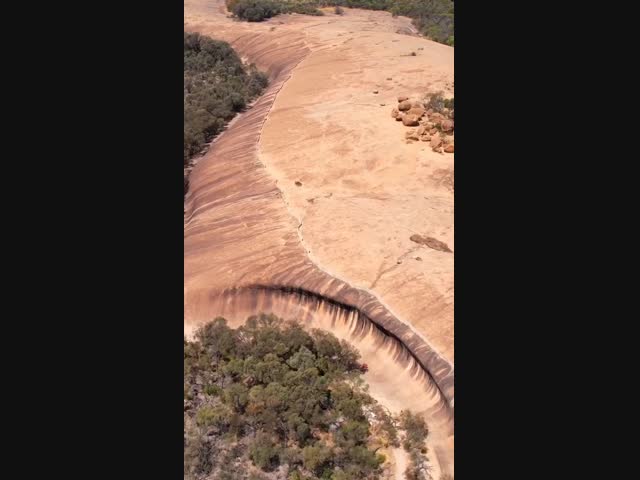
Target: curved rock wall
243, 253
239, 233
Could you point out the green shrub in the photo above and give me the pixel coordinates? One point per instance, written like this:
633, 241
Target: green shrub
416, 430
254, 10
435, 101
448, 103
304, 9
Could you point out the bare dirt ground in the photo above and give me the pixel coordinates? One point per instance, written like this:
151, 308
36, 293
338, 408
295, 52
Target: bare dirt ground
344, 230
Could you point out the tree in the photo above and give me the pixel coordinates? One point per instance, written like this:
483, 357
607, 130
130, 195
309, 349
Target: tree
197, 455
234, 368
216, 338
352, 433
302, 359
416, 432
268, 401
236, 396
214, 415
298, 429
415, 428
316, 458
263, 452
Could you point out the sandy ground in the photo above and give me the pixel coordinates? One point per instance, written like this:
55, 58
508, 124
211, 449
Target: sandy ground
364, 190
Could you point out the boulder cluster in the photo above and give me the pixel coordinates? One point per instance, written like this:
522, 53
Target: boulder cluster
435, 127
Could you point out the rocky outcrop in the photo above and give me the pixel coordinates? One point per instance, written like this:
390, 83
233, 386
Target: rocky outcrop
245, 252
240, 237
433, 125
417, 111
410, 120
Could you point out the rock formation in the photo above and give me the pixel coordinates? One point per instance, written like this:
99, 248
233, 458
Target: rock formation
244, 246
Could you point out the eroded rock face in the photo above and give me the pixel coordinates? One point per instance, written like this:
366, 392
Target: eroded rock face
436, 140
387, 356
417, 111
243, 247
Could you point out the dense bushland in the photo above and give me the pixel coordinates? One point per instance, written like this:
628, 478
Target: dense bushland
217, 85
258, 10
254, 10
433, 18
271, 397
416, 432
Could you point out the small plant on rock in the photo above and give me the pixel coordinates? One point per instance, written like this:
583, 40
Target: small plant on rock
448, 103
435, 102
